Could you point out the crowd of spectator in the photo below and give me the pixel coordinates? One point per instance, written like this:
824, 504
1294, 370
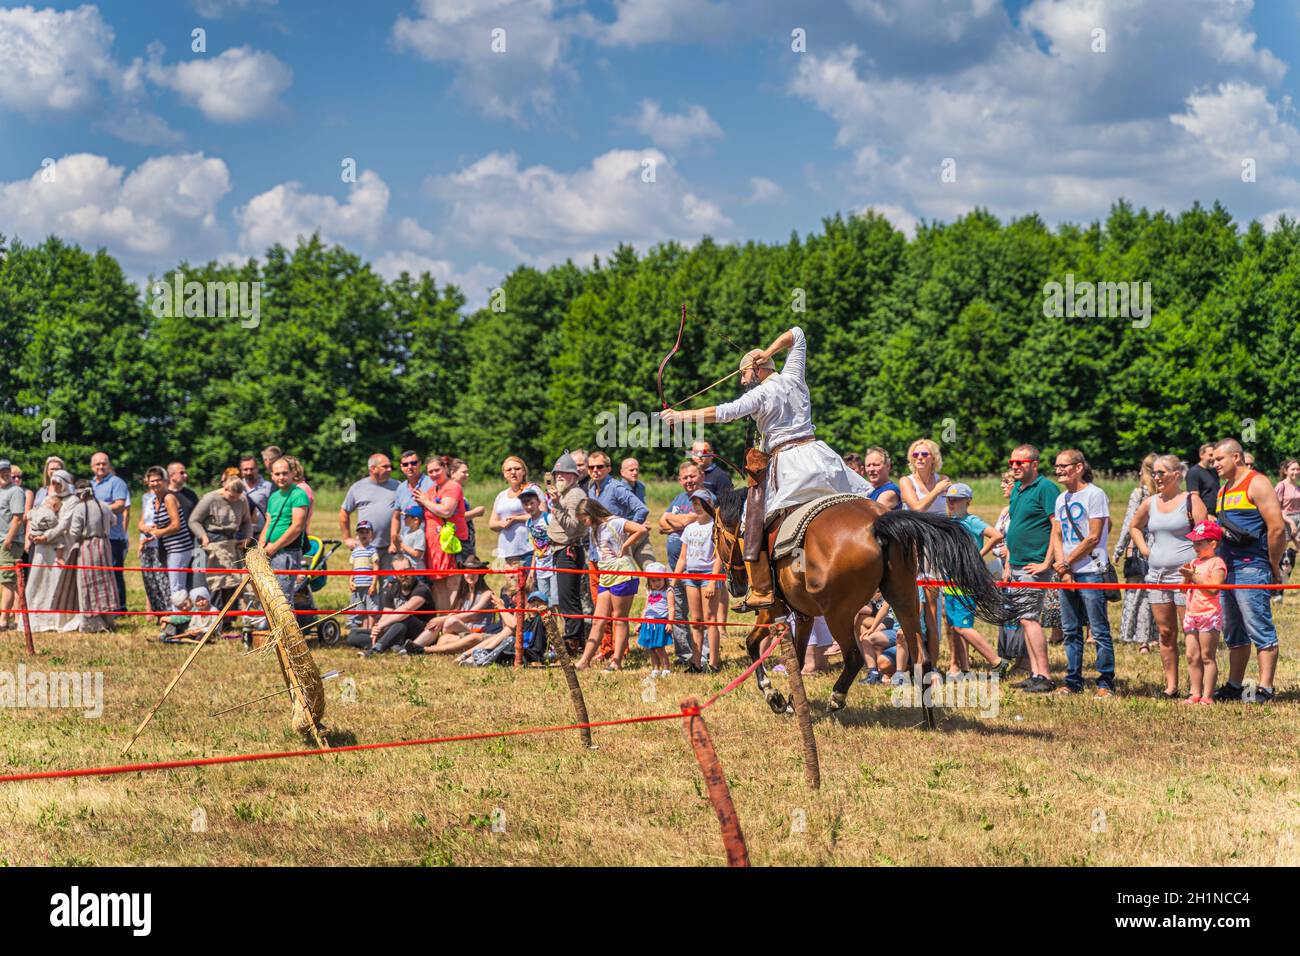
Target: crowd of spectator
1217, 522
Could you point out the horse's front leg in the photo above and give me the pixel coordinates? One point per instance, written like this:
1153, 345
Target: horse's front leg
779, 703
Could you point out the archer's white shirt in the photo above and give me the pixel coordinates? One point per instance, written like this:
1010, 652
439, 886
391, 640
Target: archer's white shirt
780, 406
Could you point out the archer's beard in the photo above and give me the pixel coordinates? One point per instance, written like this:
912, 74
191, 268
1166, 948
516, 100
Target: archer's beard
749, 386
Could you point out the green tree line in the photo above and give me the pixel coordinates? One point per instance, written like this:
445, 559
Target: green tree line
944, 335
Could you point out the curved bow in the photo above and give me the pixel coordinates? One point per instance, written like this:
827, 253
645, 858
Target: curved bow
659, 377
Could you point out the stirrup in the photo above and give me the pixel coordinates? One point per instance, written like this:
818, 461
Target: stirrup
748, 604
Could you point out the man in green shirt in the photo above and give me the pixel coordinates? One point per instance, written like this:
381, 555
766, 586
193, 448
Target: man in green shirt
286, 523
1029, 533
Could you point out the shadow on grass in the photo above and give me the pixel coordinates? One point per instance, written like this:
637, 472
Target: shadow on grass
868, 712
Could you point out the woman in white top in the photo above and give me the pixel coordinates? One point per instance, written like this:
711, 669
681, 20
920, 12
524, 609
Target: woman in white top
923, 489
509, 519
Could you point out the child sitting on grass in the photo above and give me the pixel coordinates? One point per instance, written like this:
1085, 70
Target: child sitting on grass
878, 638
176, 628
1203, 620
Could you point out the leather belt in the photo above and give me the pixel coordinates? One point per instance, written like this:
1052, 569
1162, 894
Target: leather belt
791, 443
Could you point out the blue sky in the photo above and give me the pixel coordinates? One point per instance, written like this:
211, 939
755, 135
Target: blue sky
470, 161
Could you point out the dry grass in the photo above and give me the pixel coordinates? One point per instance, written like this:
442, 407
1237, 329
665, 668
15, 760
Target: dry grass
1046, 781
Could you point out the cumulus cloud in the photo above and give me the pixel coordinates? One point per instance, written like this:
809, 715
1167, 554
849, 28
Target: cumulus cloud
474, 283
285, 212
413, 234
161, 211
675, 130
241, 84
542, 215
513, 83
763, 190
52, 60
216, 9
1044, 123
638, 22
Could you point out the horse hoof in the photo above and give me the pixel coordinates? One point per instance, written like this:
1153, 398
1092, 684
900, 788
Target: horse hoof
837, 703
777, 702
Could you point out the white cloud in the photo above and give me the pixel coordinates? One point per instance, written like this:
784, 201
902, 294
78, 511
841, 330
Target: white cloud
413, 234
763, 190
162, 211
651, 21
475, 282
239, 85
216, 9
541, 215
675, 130
54, 61
511, 83
285, 212
1042, 123
898, 217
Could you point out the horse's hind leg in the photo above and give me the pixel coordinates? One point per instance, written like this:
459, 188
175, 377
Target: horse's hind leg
899, 589
845, 634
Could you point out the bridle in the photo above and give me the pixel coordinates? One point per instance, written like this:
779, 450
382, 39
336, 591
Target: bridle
732, 540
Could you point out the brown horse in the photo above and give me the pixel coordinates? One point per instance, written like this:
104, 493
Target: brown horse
849, 551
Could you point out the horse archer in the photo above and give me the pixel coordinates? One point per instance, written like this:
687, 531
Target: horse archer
838, 547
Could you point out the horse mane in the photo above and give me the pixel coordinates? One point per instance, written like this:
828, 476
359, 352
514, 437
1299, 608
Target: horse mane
730, 503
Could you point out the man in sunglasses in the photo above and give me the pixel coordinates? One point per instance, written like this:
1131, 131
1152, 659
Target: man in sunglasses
1029, 536
404, 497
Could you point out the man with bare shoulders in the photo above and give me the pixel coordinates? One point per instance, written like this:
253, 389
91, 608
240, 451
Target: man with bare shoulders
1254, 537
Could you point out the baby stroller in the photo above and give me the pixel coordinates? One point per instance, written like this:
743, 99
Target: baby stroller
314, 558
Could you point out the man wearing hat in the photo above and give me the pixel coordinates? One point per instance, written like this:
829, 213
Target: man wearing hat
568, 546
13, 503
790, 467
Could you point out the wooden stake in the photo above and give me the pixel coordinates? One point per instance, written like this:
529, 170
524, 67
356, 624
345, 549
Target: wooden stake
212, 629
716, 781
811, 765
22, 609
555, 637
520, 599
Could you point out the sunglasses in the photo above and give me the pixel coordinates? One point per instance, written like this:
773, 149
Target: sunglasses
1021, 462
1066, 466
410, 464
597, 467
920, 454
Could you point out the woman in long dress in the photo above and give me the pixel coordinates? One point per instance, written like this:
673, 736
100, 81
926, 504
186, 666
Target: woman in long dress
1137, 626
156, 588
85, 523
49, 586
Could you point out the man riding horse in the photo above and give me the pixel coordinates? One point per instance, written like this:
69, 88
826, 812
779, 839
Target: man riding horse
789, 467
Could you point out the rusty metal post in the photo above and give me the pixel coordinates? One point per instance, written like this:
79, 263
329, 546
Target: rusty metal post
811, 765
716, 782
555, 638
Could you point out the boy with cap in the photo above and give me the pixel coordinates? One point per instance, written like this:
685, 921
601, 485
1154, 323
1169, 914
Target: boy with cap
956, 607
365, 583
413, 543
539, 537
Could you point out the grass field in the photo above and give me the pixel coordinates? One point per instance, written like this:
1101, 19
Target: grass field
1071, 781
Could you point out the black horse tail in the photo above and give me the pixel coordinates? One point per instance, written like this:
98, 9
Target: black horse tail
946, 550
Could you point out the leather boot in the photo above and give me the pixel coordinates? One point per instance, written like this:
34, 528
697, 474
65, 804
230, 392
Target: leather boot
760, 594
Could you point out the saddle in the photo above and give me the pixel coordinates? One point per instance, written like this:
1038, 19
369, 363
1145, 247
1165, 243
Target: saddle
786, 533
